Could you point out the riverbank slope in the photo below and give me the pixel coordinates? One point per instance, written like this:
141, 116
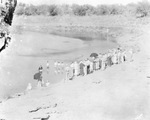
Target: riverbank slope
121, 92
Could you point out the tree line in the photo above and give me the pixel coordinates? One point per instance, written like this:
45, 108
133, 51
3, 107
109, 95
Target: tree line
140, 9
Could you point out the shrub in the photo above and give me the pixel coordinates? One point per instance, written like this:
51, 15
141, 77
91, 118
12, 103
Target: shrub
116, 9
53, 10
143, 9
19, 10
131, 9
65, 9
30, 10
102, 10
77, 10
42, 10
88, 9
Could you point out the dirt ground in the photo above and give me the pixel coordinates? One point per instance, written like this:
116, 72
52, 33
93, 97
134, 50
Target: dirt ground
121, 92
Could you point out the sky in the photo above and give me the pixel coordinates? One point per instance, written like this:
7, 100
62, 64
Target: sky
80, 2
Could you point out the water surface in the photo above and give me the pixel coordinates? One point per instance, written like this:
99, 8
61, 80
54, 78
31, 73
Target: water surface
29, 50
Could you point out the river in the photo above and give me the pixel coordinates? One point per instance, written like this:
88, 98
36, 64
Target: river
28, 50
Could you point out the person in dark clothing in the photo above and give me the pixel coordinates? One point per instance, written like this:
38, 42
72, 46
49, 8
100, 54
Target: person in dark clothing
88, 69
40, 80
100, 64
109, 63
94, 65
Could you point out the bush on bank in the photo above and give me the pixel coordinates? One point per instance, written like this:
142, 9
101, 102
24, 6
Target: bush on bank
140, 9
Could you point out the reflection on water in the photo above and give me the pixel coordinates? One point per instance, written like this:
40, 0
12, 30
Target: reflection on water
82, 36
99, 33
32, 49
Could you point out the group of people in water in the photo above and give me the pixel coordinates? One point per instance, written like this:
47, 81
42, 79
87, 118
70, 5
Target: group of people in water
87, 66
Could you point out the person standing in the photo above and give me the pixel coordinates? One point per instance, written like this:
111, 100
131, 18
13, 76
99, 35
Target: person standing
85, 67
91, 66
72, 69
97, 63
29, 87
124, 56
109, 62
77, 68
67, 74
47, 67
62, 67
82, 68
40, 78
104, 60
119, 55
114, 57
56, 67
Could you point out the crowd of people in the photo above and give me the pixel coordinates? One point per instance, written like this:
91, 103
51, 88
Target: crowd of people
59, 67
97, 62
87, 66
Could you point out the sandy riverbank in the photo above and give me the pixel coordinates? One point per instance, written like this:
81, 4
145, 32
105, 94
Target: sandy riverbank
118, 93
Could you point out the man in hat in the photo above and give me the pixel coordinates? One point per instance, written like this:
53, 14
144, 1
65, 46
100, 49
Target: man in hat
40, 80
40, 77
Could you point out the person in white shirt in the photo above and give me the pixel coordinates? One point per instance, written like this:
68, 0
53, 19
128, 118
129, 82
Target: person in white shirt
114, 57
89, 70
47, 67
97, 63
67, 69
104, 60
91, 66
56, 67
62, 67
77, 68
72, 70
29, 87
85, 67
